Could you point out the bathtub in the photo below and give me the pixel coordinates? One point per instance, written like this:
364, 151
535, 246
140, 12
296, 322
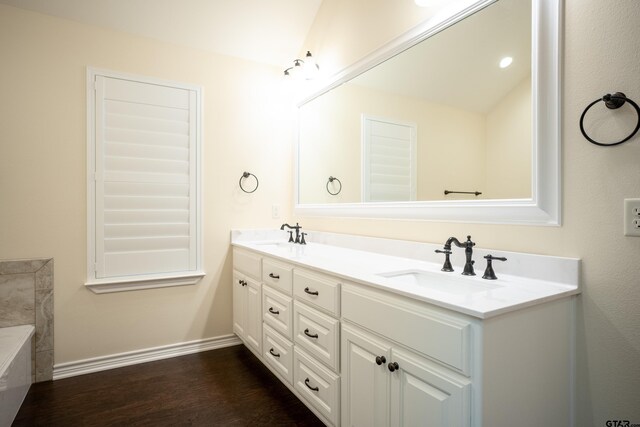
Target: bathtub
15, 370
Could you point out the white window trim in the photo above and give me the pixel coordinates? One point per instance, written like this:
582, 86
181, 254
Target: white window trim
137, 282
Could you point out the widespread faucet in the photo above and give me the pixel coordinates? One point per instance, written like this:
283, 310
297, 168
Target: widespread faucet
297, 228
468, 252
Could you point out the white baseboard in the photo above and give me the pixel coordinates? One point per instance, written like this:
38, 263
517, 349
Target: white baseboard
103, 363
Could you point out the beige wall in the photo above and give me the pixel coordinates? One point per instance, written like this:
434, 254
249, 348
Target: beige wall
600, 58
447, 137
247, 126
508, 151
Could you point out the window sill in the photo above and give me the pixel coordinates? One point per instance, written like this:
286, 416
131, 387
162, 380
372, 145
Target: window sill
105, 286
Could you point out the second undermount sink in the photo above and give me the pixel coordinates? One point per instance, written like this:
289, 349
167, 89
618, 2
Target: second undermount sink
441, 282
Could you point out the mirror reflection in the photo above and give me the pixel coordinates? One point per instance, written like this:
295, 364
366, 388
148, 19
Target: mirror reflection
450, 113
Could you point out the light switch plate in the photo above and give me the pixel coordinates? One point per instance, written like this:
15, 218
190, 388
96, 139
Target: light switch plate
275, 211
632, 217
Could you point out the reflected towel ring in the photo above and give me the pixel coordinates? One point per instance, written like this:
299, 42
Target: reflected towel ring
613, 102
331, 179
247, 175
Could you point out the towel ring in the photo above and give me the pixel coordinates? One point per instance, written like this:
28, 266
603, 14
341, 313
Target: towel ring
331, 179
613, 102
247, 175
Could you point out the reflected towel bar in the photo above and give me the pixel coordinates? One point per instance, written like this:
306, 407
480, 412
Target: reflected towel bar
477, 193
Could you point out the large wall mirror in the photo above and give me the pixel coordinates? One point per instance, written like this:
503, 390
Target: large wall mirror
458, 120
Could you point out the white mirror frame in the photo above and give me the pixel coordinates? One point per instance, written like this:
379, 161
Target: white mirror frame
543, 208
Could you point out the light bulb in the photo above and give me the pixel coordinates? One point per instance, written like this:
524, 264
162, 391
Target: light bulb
506, 61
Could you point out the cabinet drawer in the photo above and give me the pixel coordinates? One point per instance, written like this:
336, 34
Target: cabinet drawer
247, 263
318, 290
277, 275
317, 333
430, 331
277, 311
278, 353
317, 385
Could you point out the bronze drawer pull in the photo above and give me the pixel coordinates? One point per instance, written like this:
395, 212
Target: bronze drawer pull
272, 311
306, 332
306, 382
274, 276
273, 354
310, 292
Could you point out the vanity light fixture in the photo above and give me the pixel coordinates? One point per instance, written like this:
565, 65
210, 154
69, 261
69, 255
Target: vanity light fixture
506, 61
303, 69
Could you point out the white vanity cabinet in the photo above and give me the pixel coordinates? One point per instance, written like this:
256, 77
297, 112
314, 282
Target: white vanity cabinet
384, 384
359, 354
247, 299
316, 334
405, 363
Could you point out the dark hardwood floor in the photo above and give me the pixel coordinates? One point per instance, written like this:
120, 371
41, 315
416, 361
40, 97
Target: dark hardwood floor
225, 387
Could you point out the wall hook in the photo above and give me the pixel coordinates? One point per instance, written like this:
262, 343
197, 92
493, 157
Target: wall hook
331, 179
247, 175
612, 102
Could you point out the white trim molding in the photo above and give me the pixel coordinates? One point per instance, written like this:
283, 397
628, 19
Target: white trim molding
103, 363
106, 286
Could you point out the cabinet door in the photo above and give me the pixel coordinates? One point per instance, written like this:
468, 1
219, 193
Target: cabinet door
422, 393
253, 326
239, 304
365, 383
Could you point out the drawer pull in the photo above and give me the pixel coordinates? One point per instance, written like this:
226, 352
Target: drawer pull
306, 332
380, 360
393, 366
242, 282
274, 276
273, 354
306, 382
310, 292
272, 311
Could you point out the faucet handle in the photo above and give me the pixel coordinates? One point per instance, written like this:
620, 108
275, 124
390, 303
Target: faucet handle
290, 236
447, 262
489, 274
469, 243
302, 241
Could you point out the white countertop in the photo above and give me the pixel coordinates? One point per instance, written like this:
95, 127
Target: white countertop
488, 298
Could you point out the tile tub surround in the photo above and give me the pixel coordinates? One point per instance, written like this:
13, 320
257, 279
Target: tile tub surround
524, 279
26, 298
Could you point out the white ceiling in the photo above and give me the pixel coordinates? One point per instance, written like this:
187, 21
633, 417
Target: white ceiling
459, 66
270, 31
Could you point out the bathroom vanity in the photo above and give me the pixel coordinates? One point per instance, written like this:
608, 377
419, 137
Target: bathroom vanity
370, 332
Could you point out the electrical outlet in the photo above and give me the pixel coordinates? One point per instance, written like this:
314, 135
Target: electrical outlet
275, 211
632, 217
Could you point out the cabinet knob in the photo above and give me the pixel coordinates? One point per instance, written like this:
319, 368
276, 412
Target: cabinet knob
274, 276
380, 360
306, 332
393, 366
272, 311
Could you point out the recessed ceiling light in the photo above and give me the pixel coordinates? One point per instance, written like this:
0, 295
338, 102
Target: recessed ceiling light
424, 3
506, 61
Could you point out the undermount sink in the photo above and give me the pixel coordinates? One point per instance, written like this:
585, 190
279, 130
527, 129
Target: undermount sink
441, 282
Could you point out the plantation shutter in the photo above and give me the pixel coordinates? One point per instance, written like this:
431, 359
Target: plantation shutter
389, 161
145, 178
